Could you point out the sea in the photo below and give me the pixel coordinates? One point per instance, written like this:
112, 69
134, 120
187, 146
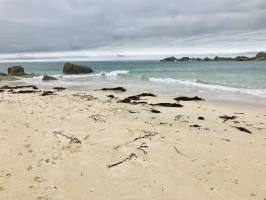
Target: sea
218, 81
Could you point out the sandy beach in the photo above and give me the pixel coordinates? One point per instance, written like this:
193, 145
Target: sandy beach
74, 145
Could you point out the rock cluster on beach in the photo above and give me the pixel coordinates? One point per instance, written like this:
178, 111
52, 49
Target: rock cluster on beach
14, 72
261, 56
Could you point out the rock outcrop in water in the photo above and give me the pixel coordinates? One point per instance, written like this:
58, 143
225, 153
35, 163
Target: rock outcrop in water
48, 78
259, 57
70, 68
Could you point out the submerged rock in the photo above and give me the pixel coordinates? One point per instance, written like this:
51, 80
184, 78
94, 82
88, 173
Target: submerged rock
16, 71
70, 68
48, 78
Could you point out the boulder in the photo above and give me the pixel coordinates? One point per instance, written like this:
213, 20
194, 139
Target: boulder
16, 71
260, 56
70, 68
48, 78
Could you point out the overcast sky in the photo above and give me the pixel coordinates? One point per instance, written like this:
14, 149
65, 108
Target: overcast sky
132, 26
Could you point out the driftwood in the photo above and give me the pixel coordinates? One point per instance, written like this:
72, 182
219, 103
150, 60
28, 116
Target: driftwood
227, 117
243, 129
125, 160
73, 140
24, 91
97, 118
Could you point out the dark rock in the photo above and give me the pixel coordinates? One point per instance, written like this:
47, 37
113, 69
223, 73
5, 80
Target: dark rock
1, 90
169, 59
184, 59
3, 74
183, 98
201, 118
118, 89
70, 68
260, 56
16, 71
48, 78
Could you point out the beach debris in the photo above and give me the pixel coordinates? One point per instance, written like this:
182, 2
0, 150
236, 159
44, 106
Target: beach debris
85, 96
146, 95
117, 89
243, 129
227, 117
59, 88
24, 91
136, 98
97, 118
155, 111
6, 87
177, 151
142, 148
183, 98
201, 118
46, 93
73, 140
132, 155
172, 105
195, 126
112, 96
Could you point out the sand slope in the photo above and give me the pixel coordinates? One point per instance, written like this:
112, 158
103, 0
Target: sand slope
168, 158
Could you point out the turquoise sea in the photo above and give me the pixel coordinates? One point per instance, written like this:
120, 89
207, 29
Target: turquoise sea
233, 81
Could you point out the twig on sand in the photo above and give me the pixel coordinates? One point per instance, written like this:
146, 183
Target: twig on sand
132, 155
72, 139
177, 151
97, 118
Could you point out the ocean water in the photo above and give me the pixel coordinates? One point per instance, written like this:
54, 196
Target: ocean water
232, 81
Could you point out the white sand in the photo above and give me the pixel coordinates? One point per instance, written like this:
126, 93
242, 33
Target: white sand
172, 161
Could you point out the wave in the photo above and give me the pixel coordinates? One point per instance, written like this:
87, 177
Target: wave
202, 84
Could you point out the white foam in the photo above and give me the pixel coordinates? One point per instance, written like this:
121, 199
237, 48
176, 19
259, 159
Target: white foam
255, 92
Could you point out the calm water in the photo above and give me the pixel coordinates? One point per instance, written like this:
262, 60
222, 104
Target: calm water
245, 81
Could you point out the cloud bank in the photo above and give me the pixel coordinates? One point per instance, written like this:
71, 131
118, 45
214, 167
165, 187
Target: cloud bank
139, 26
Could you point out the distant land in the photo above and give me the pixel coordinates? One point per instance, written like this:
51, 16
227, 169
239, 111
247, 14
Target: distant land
259, 57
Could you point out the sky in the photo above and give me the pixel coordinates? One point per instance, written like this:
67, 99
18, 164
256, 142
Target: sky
142, 27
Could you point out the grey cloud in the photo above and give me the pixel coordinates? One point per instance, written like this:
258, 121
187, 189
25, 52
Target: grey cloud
30, 25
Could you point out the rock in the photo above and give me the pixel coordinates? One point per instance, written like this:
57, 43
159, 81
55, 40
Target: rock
70, 68
169, 59
48, 78
16, 71
260, 56
184, 59
3, 74
7, 78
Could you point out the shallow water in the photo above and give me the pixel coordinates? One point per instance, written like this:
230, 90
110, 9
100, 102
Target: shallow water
237, 81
